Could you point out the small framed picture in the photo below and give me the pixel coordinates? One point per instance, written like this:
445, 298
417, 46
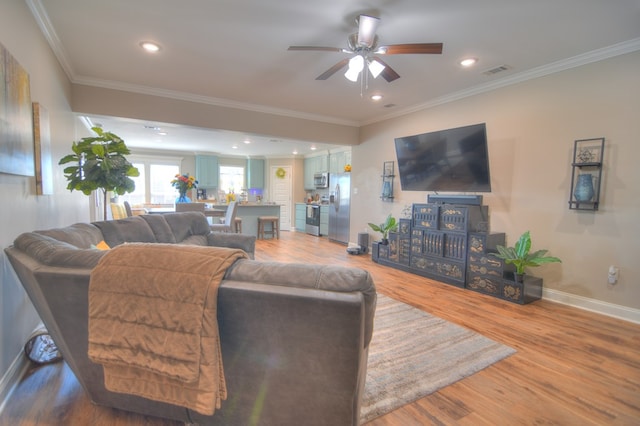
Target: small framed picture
588, 151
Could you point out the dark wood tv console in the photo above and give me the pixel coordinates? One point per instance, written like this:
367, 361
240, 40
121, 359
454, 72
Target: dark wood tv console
452, 243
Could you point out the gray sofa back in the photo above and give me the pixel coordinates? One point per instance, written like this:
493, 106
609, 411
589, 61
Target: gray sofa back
72, 246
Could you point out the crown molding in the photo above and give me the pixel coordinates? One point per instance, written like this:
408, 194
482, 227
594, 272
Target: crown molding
207, 100
42, 19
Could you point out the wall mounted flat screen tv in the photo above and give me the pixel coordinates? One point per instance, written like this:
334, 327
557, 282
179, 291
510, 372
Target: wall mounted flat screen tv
453, 160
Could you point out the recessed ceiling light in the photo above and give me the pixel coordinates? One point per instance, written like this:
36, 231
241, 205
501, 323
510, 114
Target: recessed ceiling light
376, 97
313, 148
150, 46
295, 152
235, 147
162, 133
468, 62
247, 141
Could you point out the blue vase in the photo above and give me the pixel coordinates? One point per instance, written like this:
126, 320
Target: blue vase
183, 199
583, 191
386, 189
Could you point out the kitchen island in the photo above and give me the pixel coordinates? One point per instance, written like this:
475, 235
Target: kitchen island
249, 213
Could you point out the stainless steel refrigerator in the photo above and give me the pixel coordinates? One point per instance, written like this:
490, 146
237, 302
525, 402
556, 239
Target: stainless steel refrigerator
339, 200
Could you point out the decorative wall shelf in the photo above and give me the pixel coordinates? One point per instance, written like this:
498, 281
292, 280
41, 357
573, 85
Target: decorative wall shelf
388, 175
586, 174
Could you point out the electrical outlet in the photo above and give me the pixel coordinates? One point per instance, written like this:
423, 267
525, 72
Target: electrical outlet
613, 274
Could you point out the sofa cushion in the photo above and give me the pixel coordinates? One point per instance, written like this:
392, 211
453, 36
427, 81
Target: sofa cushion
160, 228
81, 235
51, 251
130, 230
185, 224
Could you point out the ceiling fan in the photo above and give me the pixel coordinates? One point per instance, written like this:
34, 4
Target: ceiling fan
364, 46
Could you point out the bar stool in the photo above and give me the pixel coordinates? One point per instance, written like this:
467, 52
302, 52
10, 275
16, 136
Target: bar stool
274, 231
238, 224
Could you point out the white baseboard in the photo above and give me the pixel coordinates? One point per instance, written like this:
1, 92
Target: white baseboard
11, 378
593, 305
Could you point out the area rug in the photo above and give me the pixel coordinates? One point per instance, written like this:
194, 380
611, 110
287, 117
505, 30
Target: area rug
413, 354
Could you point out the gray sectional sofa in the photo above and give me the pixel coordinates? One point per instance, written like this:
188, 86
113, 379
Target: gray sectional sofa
294, 337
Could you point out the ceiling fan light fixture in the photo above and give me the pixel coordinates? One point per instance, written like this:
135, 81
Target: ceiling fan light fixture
356, 64
375, 68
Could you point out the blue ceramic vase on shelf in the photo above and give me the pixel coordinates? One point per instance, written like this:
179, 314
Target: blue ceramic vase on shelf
584, 188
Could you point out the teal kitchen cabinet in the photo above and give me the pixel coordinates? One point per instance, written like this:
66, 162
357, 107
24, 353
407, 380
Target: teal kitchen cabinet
207, 171
324, 220
301, 215
255, 173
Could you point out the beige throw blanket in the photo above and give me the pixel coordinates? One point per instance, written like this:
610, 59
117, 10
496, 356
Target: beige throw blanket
153, 322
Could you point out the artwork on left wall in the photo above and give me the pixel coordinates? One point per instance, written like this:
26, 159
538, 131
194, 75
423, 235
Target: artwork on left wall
16, 119
42, 150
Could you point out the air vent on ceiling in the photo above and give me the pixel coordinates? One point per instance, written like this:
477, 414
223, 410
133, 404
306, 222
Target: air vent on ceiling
497, 69
389, 105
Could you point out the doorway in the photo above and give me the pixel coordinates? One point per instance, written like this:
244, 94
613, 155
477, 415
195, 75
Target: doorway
281, 190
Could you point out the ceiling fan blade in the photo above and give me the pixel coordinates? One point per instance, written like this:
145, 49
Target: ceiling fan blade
334, 69
367, 30
398, 49
387, 73
317, 48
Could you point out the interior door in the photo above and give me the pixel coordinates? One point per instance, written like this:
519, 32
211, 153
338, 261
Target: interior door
281, 192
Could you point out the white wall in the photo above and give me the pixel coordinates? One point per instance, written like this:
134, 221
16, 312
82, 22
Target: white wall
531, 128
23, 210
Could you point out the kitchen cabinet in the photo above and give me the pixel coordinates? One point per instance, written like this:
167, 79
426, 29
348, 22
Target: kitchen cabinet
207, 171
255, 173
301, 211
309, 170
313, 165
324, 220
338, 160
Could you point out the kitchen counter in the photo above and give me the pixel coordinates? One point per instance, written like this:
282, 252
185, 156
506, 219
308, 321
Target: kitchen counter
250, 212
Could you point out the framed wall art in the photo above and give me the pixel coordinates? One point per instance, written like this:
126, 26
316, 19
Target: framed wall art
16, 121
42, 150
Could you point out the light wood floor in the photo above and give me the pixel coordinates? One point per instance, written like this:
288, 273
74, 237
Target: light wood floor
572, 367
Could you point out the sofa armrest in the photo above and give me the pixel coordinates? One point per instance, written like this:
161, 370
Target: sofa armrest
239, 241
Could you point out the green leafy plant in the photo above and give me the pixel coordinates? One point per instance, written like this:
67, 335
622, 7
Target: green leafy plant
389, 225
520, 255
99, 163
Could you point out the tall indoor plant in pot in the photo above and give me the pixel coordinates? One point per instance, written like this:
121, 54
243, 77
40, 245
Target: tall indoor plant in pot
99, 162
521, 256
389, 225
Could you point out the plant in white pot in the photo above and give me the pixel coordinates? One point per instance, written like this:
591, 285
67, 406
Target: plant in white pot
521, 256
389, 225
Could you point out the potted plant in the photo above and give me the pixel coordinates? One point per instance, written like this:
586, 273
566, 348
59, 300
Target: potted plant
384, 228
521, 257
99, 163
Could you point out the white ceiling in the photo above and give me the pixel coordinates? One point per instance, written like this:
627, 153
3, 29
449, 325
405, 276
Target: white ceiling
235, 52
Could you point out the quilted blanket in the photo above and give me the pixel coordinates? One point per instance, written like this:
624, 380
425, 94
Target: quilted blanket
153, 322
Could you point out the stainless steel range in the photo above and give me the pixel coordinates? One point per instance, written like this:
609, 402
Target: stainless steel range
312, 224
